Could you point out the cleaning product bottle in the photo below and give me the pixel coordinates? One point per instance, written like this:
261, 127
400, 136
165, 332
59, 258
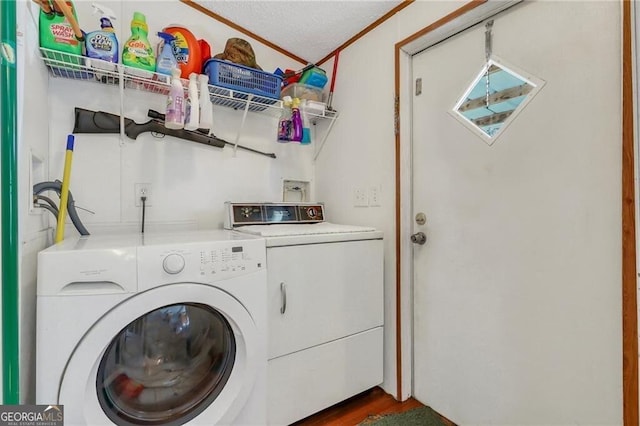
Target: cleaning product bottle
284, 125
306, 130
192, 116
186, 49
102, 44
174, 117
57, 33
166, 59
296, 121
206, 108
205, 51
137, 53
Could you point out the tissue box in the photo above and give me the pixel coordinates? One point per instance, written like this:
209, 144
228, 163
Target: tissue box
314, 77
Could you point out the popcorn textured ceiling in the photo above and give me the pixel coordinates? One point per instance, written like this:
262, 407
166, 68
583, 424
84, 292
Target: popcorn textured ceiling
310, 29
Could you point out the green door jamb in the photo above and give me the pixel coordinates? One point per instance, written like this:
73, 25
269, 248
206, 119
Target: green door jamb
9, 202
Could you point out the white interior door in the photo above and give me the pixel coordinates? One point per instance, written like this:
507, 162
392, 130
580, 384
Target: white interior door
517, 301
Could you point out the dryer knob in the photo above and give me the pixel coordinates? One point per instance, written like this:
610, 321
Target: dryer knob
173, 263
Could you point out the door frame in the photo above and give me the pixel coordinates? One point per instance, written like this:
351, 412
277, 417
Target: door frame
460, 19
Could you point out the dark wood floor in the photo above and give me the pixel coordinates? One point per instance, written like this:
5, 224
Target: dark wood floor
356, 409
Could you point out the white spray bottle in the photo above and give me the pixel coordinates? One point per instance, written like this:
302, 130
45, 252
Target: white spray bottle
174, 117
206, 108
192, 117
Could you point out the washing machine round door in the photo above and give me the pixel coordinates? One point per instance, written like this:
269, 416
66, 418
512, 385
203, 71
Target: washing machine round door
155, 361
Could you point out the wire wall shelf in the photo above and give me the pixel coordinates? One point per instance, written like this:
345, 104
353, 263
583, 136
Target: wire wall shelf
324, 115
74, 67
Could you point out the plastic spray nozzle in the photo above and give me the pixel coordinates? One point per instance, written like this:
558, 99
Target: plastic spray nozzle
287, 101
105, 23
107, 16
104, 11
295, 103
166, 37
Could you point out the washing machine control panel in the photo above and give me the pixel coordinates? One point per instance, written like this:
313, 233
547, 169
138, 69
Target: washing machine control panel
226, 260
200, 262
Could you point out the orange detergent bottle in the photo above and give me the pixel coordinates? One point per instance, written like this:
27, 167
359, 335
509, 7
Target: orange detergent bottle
186, 50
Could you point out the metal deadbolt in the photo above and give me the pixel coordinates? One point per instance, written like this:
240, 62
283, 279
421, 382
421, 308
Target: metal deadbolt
421, 218
419, 238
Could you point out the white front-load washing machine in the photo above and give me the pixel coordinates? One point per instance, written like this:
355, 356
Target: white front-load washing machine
153, 329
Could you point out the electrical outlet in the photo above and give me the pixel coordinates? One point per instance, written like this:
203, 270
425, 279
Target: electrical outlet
374, 196
360, 197
142, 189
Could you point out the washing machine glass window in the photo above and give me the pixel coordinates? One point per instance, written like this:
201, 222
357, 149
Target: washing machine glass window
167, 366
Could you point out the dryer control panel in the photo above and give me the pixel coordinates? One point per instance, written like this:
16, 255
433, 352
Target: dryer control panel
239, 214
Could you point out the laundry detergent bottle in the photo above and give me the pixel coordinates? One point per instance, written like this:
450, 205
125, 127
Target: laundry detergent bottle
137, 53
186, 50
56, 33
102, 44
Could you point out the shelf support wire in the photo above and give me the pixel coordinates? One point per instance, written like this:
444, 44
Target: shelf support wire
324, 138
121, 88
244, 119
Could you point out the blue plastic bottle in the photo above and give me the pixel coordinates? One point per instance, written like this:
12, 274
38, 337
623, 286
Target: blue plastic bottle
306, 131
166, 59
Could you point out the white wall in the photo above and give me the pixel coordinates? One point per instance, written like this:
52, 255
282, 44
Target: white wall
190, 182
360, 150
32, 140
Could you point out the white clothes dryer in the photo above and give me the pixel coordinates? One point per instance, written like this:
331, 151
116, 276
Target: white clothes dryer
325, 306
153, 329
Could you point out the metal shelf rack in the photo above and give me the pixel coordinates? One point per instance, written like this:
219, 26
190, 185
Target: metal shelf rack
75, 67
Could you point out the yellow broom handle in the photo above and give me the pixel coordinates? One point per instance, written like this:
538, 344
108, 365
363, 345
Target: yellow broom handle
64, 192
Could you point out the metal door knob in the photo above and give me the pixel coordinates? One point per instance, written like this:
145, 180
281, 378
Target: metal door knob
419, 238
